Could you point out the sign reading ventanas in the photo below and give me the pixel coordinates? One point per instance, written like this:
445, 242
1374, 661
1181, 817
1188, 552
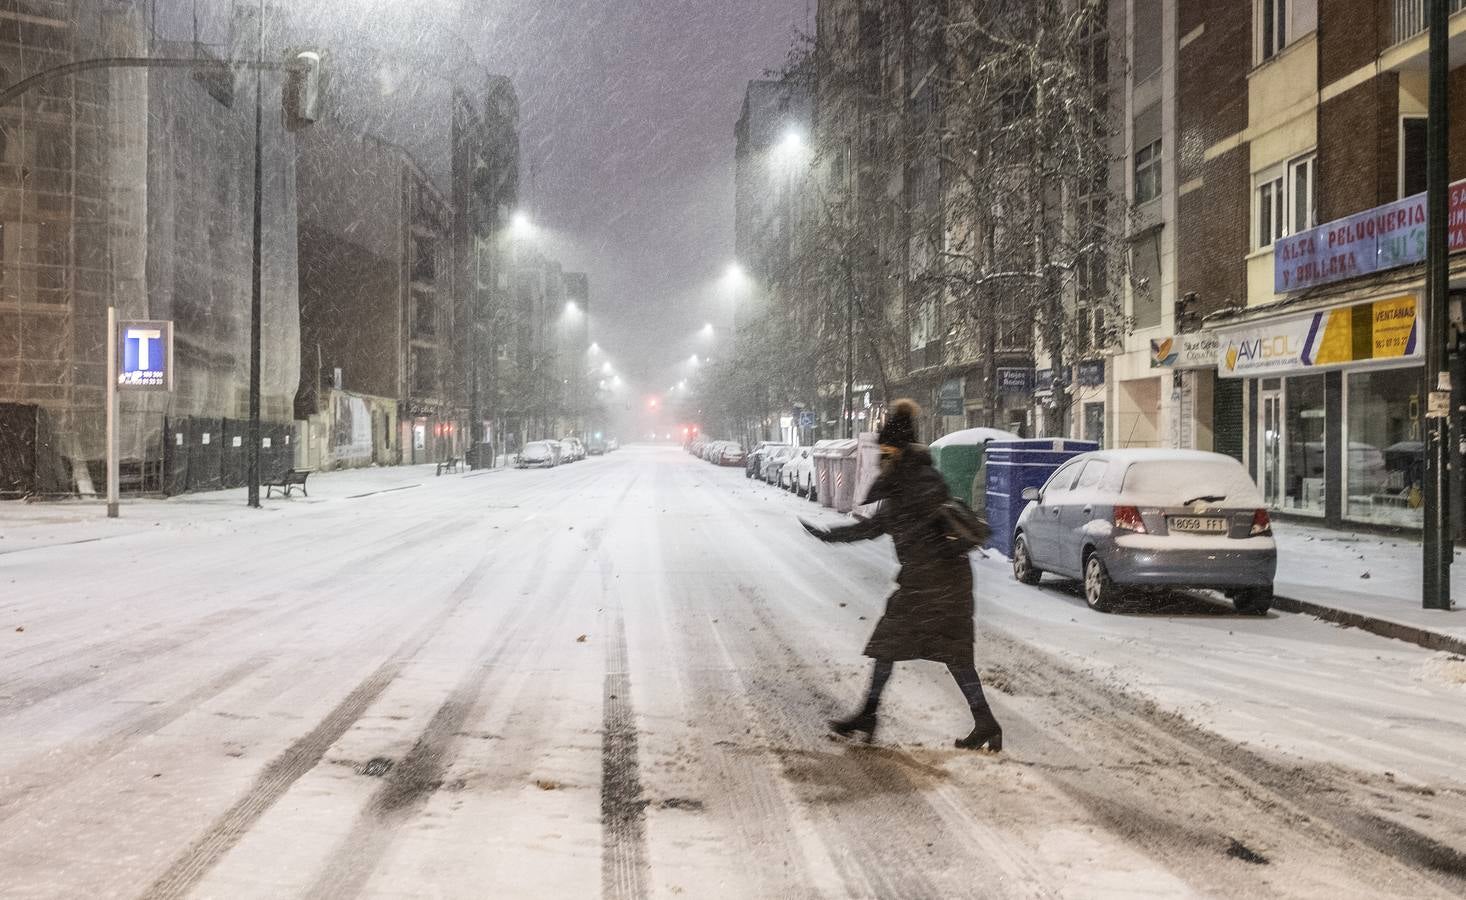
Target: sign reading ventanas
1379, 331
145, 355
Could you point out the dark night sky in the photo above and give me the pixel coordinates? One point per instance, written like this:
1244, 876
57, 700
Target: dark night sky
628, 110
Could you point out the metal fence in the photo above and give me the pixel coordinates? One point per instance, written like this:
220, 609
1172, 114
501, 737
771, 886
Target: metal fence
1409, 17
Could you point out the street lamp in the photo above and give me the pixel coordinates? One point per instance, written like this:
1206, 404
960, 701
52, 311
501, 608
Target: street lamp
520, 225
606, 367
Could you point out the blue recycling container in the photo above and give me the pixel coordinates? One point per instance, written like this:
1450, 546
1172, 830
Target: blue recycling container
1015, 465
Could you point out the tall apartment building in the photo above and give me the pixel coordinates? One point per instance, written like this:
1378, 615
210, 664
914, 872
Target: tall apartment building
1302, 223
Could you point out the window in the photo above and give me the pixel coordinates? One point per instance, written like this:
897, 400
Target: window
1145, 280
1148, 154
1094, 473
1148, 172
1270, 212
1274, 27
1286, 200
1303, 177
1061, 481
1281, 22
425, 311
1385, 464
1412, 156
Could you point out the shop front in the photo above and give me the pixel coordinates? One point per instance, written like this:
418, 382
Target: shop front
1334, 419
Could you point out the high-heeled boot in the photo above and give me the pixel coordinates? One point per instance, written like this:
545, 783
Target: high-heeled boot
863, 722
986, 732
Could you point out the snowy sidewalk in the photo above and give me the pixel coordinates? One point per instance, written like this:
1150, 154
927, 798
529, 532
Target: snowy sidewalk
1370, 581
30, 526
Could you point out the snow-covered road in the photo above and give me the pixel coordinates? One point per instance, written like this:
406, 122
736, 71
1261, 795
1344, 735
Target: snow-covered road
612, 678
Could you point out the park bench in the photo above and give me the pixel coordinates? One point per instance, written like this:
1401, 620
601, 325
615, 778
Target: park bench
449, 465
287, 482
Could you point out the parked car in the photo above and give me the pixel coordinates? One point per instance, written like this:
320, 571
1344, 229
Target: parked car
612, 445
595, 447
538, 455
731, 455
773, 462
1125, 519
799, 472
754, 463
572, 450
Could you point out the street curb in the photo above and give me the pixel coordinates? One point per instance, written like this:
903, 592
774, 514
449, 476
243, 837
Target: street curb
1412, 634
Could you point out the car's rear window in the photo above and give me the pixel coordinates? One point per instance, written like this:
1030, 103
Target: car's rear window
1176, 482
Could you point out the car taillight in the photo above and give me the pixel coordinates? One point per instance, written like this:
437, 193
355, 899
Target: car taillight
1128, 518
1262, 525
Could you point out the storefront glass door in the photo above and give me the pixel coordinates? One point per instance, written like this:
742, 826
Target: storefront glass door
1271, 438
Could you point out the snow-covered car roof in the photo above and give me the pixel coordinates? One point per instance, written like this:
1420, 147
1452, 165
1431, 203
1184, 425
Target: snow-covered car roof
969, 437
1161, 478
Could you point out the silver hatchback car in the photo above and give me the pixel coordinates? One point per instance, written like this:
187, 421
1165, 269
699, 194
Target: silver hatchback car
1119, 519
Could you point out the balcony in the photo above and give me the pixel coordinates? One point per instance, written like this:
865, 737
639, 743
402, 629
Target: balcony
1409, 17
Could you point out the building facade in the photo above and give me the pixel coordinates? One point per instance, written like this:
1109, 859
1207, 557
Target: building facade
134, 188
1326, 349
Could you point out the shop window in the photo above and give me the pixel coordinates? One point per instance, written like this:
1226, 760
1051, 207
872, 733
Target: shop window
1385, 465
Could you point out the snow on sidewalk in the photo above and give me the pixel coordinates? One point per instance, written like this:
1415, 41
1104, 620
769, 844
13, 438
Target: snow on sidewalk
1372, 575
30, 526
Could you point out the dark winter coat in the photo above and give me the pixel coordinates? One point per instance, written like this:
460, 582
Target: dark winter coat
930, 614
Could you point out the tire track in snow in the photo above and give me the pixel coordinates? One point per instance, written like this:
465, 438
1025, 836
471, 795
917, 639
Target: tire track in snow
302, 756
25, 788
623, 809
411, 783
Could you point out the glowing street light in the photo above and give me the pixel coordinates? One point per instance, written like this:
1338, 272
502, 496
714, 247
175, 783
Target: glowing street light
707, 330
692, 359
521, 226
594, 347
736, 273
606, 367
792, 143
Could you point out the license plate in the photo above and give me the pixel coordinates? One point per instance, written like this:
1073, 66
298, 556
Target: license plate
1198, 524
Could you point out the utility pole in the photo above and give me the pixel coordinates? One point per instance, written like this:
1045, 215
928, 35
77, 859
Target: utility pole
1438, 549
252, 455
849, 364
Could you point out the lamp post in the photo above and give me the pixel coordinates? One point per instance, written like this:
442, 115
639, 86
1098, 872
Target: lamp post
256, 286
1437, 545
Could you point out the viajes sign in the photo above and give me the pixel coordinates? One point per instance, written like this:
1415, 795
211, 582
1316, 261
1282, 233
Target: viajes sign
1375, 240
1379, 331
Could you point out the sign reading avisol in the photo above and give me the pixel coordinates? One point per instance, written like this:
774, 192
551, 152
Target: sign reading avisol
1376, 331
145, 355
1372, 241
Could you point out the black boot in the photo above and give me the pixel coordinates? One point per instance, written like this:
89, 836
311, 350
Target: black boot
986, 734
863, 722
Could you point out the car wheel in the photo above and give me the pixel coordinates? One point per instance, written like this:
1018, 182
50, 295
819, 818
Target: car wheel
813, 494
1099, 591
1254, 601
1023, 568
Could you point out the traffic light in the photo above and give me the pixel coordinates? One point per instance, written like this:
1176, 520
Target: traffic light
304, 82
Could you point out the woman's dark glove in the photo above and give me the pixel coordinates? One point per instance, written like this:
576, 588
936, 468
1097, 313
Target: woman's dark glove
821, 533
